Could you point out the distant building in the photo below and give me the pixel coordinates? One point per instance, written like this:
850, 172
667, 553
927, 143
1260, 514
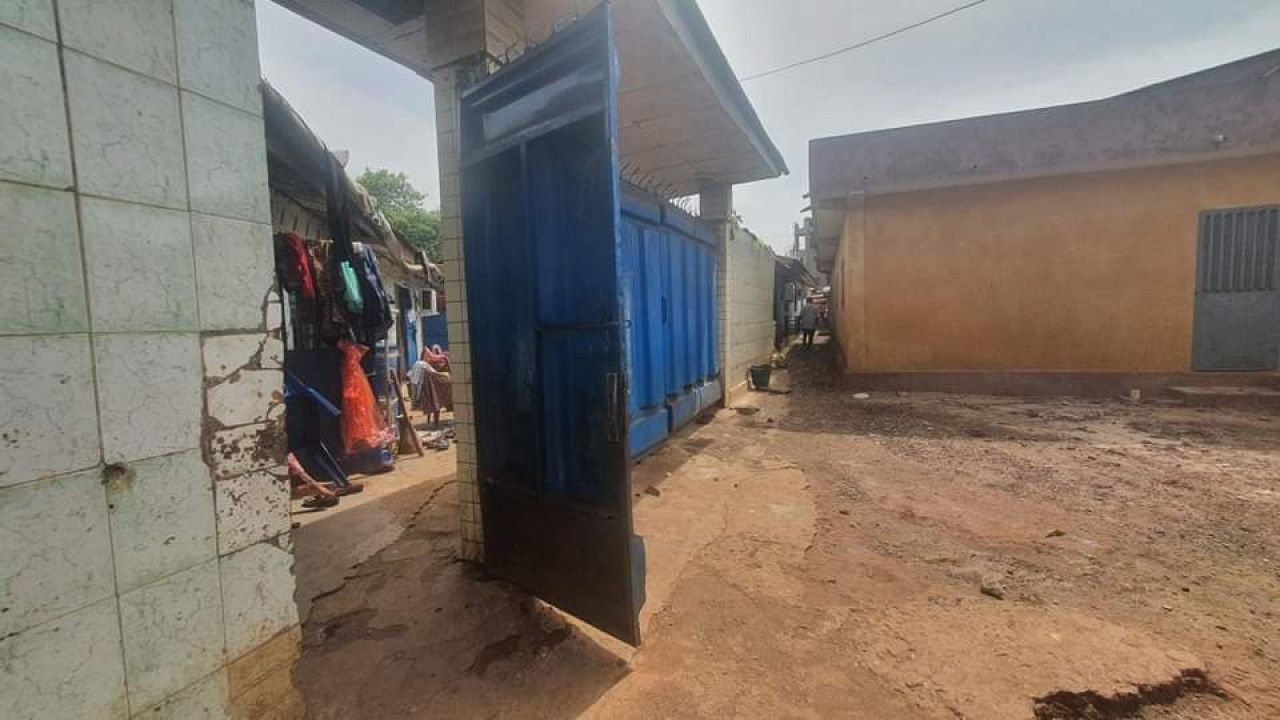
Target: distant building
806, 251
792, 283
1105, 243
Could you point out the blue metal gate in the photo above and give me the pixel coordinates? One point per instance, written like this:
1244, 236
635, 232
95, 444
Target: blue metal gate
542, 229
669, 278
1237, 311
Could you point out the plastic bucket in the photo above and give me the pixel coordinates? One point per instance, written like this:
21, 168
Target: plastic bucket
760, 376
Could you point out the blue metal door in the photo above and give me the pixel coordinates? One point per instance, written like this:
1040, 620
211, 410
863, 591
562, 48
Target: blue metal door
543, 249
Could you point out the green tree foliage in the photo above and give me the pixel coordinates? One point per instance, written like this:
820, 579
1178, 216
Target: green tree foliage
404, 207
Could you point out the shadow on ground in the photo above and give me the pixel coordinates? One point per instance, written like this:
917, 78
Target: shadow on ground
415, 633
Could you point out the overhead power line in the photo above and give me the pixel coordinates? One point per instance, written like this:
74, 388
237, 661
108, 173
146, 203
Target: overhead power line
864, 43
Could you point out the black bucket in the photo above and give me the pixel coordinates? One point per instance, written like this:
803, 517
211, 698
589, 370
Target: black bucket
760, 376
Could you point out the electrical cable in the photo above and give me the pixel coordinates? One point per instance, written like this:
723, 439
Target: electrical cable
864, 43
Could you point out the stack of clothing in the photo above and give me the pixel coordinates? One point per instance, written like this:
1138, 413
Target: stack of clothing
430, 382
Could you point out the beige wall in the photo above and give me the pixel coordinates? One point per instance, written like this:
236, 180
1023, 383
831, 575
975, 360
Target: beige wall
1091, 272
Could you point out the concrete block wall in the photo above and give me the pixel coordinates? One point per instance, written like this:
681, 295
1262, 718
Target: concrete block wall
746, 306
144, 517
744, 290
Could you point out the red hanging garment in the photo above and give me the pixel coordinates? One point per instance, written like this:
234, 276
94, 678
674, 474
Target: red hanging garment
303, 262
363, 427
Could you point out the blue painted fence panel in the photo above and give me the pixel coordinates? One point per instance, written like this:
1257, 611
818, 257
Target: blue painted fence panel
669, 278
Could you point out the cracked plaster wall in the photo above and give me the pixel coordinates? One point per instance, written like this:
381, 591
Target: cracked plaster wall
148, 567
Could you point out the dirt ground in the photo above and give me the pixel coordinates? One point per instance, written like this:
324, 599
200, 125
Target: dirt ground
898, 556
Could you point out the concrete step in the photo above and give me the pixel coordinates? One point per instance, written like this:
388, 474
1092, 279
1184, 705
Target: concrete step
1227, 396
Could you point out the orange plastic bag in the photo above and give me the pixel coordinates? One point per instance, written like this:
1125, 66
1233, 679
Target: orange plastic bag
363, 427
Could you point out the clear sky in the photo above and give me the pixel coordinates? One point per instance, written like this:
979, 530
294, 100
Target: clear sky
999, 56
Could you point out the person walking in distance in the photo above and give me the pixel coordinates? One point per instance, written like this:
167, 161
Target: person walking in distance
808, 321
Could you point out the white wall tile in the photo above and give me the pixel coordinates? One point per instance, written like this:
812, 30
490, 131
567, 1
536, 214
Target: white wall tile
34, 16
41, 285
33, 146
257, 592
218, 51
161, 517
235, 267
126, 132
225, 354
204, 700
226, 160
149, 394
172, 634
243, 449
251, 508
247, 397
48, 423
68, 668
137, 34
141, 272
272, 353
57, 549
274, 314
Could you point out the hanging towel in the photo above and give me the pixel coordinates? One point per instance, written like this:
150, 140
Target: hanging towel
351, 288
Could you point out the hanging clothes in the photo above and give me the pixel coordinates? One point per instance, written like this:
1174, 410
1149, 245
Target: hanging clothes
331, 317
299, 265
434, 392
376, 314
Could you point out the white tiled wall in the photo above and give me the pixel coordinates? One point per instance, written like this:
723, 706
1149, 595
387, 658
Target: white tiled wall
41, 288
148, 393
172, 632
58, 547
143, 517
234, 262
139, 264
33, 147
126, 133
48, 420
83, 651
448, 148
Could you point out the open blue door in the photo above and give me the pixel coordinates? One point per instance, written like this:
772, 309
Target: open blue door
541, 225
